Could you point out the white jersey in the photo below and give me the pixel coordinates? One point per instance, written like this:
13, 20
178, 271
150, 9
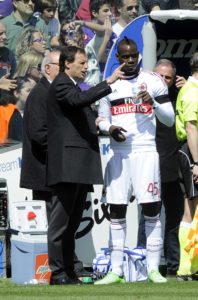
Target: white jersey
117, 29
122, 108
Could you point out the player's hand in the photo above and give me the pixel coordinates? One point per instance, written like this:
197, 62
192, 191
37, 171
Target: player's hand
117, 74
116, 133
145, 96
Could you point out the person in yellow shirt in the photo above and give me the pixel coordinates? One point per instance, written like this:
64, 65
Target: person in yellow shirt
187, 134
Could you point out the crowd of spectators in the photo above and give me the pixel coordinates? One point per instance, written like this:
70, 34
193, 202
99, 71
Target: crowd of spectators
31, 29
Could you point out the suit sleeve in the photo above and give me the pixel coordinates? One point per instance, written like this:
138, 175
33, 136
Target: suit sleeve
70, 95
37, 119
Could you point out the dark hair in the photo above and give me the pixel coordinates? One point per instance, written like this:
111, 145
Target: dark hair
44, 4
20, 81
194, 63
68, 54
95, 5
125, 41
7, 97
118, 3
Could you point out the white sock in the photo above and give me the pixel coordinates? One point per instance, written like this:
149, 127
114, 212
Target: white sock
116, 244
154, 242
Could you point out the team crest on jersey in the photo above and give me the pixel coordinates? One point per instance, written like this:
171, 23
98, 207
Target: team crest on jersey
143, 87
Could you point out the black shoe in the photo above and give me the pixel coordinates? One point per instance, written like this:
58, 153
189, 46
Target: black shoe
63, 281
195, 277
83, 273
73, 277
184, 278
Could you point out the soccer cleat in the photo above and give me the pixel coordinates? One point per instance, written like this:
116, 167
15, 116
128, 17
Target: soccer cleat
111, 278
184, 277
156, 277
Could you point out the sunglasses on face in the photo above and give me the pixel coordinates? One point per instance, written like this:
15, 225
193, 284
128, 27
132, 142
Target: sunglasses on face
39, 40
38, 67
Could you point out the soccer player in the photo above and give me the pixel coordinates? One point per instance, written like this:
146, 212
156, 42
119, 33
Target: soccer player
129, 115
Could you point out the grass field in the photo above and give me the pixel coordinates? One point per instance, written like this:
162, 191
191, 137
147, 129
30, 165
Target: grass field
131, 291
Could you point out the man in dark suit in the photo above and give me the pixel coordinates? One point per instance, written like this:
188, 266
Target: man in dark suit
33, 169
73, 163
33, 172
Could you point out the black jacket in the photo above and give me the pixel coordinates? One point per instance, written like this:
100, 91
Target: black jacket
33, 169
73, 150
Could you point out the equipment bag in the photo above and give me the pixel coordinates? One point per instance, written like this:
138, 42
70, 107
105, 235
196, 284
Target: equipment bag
134, 264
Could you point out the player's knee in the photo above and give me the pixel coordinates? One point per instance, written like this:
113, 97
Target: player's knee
151, 209
118, 211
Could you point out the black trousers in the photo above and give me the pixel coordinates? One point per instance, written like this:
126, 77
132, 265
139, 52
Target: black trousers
173, 201
46, 196
66, 211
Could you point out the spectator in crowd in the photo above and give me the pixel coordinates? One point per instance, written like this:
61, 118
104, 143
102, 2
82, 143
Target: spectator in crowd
29, 65
24, 86
19, 19
6, 8
7, 59
133, 165
187, 133
69, 34
11, 109
31, 39
72, 34
171, 193
102, 41
83, 12
21, 92
47, 10
72, 139
128, 11
10, 119
67, 9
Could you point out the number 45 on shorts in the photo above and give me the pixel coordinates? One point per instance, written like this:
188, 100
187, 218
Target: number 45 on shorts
154, 188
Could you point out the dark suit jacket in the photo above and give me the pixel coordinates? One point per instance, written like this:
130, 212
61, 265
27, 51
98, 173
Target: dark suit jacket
73, 151
33, 168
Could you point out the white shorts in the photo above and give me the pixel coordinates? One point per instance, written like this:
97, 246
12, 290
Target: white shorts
128, 174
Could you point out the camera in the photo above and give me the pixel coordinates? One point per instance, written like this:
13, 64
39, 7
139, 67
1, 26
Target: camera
71, 34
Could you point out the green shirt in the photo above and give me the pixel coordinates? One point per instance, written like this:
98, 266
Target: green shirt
14, 28
186, 107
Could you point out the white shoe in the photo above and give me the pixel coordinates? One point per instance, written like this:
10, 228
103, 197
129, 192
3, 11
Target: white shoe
156, 277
